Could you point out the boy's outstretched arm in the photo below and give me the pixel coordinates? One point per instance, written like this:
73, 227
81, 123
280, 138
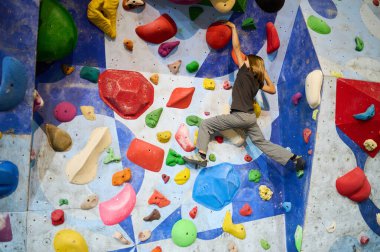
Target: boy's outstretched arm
268, 87
235, 43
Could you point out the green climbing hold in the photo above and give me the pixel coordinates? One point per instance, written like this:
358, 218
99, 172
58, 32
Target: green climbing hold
359, 44
248, 24
195, 11
298, 238
193, 120
264, 244
192, 67
212, 157
254, 175
318, 25
152, 118
300, 173
174, 158
63, 202
57, 33
90, 74
184, 233
111, 157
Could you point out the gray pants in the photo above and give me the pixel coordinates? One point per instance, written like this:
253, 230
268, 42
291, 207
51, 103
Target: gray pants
246, 122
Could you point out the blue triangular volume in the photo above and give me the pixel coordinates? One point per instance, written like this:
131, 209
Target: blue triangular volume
163, 231
210, 234
219, 63
127, 226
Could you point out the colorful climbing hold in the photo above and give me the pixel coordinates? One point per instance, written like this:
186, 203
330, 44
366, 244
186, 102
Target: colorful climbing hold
315, 114
378, 218
90, 202
219, 139
67, 69
264, 244
195, 136
62, 202
57, 217
65, 111
265, 192
192, 67
248, 24
370, 145
245, 210
182, 177
359, 44
318, 25
273, 41
154, 215
6, 234
364, 240
120, 177
287, 206
181, 98
254, 175
157, 31
306, 134
164, 136
376, 2
212, 157
58, 139
223, 6
157, 249
331, 228
165, 178
146, 155
296, 97
193, 212
208, 84
144, 235
247, 158
236, 230
193, 120
227, 85
151, 119
367, 114
183, 138
57, 33
118, 236
354, 185
232, 247
174, 158
298, 238
9, 177
154, 78
111, 158
218, 35
69, 240
131, 4
128, 44
300, 173
167, 47
174, 67
37, 101
103, 14
256, 108
184, 233
158, 199
88, 112
90, 74
313, 86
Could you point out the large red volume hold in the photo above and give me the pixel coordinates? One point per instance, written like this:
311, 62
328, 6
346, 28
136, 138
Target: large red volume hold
218, 35
146, 155
273, 41
157, 31
354, 185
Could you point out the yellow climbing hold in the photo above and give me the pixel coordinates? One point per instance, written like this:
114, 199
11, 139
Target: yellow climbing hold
315, 113
336, 74
102, 13
88, 112
265, 192
208, 84
1, 135
182, 177
67, 240
256, 109
236, 230
67, 70
164, 136
195, 137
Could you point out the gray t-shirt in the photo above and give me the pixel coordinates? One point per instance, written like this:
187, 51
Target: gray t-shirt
244, 90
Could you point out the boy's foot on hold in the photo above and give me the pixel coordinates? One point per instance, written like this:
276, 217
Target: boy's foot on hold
196, 159
300, 163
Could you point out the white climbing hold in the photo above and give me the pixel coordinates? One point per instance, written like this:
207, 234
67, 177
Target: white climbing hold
313, 86
378, 218
232, 247
331, 228
370, 144
118, 236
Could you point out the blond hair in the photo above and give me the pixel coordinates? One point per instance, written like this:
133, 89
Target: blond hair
257, 66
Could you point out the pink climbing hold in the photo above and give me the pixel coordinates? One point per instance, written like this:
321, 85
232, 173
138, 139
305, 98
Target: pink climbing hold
296, 97
167, 47
65, 111
181, 98
273, 41
306, 134
218, 35
6, 229
165, 178
364, 240
57, 217
183, 138
119, 207
157, 31
128, 93
227, 85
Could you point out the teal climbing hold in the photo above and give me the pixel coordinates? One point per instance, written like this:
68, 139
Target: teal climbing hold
367, 114
359, 44
193, 120
184, 233
195, 11
152, 118
111, 158
254, 176
14, 83
248, 24
174, 158
212, 157
318, 25
90, 74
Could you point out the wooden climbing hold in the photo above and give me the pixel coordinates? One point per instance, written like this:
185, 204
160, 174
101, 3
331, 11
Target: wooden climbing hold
232, 247
90, 202
131, 4
144, 235
57, 217
154, 215
118, 236
158, 199
154, 78
58, 139
67, 69
121, 177
128, 44
174, 67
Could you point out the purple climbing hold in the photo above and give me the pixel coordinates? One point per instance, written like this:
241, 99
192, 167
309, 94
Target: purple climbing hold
5, 228
166, 48
65, 112
296, 97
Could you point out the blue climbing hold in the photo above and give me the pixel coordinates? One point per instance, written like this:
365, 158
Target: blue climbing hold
8, 178
287, 206
215, 187
13, 83
368, 114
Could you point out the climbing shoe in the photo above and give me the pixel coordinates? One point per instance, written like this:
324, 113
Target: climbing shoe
196, 159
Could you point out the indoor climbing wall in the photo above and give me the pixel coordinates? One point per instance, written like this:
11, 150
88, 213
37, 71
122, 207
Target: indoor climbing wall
105, 167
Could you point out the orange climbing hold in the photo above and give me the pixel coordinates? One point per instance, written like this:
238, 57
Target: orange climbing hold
146, 155
157, 31
158, 199
157, 249
120, 177
181, 98
306, 135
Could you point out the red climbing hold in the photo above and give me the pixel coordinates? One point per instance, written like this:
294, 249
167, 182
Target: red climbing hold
193, 212
354, 185
128, 93
57, 217
234, 58
158, 199
157, 31
306, 134
165, 178
376, 2
273, 41
247, 158
181, 98
353, 96
246, 210
146, 155
364, 240
218, 35
219, 139
157, 249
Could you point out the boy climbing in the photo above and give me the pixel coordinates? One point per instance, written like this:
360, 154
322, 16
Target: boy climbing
249, 79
